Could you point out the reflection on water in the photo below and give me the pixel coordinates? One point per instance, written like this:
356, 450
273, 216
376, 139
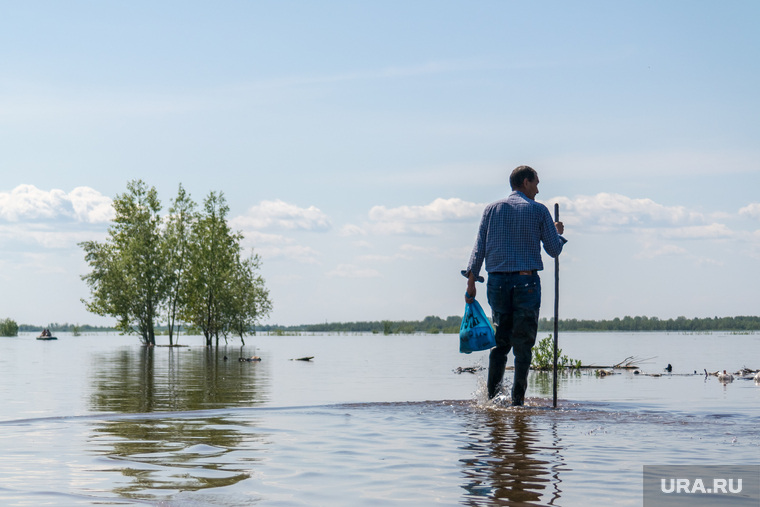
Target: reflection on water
128, 381
508, 461
514, 456
159, 456
541, 383
174, 453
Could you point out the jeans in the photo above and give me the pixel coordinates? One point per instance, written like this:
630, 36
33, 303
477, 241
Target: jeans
515, 301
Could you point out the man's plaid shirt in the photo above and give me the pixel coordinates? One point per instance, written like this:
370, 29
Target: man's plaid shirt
510, 234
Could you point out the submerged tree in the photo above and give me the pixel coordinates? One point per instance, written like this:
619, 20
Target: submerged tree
249, 299
8, 327
128, 279
212, 259
224, 294
188, 265
177, 246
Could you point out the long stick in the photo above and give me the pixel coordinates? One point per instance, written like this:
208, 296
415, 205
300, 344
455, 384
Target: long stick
556, 314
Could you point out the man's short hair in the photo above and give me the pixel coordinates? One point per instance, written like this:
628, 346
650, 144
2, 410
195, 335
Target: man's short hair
520, 174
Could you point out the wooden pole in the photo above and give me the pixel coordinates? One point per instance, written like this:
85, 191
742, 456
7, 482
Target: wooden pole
556, 314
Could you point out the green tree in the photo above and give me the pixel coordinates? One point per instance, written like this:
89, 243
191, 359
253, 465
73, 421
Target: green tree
8, 327
213, 258
128, 279
188, 265
248, 299
176, 244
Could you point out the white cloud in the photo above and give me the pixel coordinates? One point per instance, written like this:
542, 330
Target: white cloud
41, 263
618, 211
751, 210
711, 231
299, 253
352, 230
417, 249
601, 212
651, 253
702, 261
45, 235
440, 210
255, 238
420, 220
278, 247
29, 203
281, 215
404, 228
363, 244
352, 271
91, 206
377, 259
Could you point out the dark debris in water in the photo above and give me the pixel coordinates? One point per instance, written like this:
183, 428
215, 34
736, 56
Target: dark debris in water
469, 369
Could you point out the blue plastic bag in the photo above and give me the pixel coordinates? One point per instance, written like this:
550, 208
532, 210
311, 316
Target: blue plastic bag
476, 332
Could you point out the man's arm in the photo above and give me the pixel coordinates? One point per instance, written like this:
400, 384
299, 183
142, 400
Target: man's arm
476, 258
550, 234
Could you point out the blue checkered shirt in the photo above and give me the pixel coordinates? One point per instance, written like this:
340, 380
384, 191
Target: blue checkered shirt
510, 234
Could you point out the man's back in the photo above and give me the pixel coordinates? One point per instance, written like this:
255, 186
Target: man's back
511, 233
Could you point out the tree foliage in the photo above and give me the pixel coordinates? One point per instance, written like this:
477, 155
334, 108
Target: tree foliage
430, 324
8, 327
128, 278
249, 298
682, 324
213, 257
182, 214
187, 266
543, 356
450, 325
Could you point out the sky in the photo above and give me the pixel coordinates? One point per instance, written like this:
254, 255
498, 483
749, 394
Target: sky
357, 144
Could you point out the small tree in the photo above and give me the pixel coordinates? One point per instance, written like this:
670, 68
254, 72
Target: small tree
225, 295
176, 244
249, 298
128, 271
543, 356
213, 258
8, 327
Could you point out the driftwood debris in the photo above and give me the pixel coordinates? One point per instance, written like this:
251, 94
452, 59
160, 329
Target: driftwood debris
629, 363
468, 369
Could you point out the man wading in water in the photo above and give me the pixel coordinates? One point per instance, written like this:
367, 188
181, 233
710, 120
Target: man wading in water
509, 240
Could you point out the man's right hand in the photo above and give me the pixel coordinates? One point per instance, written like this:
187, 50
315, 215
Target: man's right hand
471, 290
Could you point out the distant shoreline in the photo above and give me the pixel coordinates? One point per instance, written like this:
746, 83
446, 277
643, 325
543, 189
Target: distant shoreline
450, 325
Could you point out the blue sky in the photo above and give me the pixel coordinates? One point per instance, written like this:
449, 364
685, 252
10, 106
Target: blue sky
357, 144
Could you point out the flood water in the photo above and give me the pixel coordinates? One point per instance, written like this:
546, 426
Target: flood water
371, 420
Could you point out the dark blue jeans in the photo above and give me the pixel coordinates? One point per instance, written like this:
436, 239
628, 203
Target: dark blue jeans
515, 301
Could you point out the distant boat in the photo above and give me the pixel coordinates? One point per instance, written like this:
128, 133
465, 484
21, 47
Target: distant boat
46, 335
